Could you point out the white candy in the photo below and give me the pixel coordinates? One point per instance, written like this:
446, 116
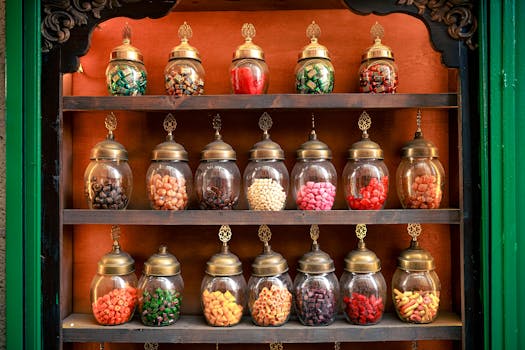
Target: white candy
266, 194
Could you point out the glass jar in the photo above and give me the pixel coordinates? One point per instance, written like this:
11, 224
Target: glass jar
363, 287
217, 179
314, 178
169, 178
314, 73
420, 176
248, 71
184, 74
126, 74
365, 175
160, 290
270, 286
316, 288
378, 71
415, 284
266, 178
108, 180
113, 290
223, 288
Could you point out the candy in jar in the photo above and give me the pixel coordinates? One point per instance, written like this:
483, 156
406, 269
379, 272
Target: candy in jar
378, 71
248, 71
316, 288
420, 176
415, 284
126, 74
363, 287
365, 175
270, 286
314, 73
184, 74
108, 180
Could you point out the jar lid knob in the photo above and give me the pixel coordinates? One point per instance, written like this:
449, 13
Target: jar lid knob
126, 34
185, 32
276, 346
225, 234
313, 31
265, 235
377, 32
364, 123
217, 125
111, 124
115, 236
414, 230
419, 131
314, 233
265, 124
360, 232
170, 124
248, 31
313, 134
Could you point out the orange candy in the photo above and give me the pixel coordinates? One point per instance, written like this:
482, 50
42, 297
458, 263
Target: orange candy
111, 309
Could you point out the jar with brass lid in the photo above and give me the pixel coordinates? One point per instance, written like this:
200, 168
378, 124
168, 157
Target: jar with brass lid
266, 178
363, 287
217, 179
365, 175
270, 286
378, 70
223, 288
248, 71
314, 178
314, 72
316, 288
113, 290
160, 289
420, 176
169, 178
415, 285
126, 74
184, 74
108, 180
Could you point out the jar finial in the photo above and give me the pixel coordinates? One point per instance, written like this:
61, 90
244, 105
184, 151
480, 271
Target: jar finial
276, 346
170, 124
414, 230
115, 237
225, 234
185, 32
360, 232
377, 32
248, 31
419, 132
217, 124
313, 31
265, 235
313, 134
265, 124
111, 124
126, 34
364, 123
314, 235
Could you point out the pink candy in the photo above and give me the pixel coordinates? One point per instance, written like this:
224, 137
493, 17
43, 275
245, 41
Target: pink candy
316, 196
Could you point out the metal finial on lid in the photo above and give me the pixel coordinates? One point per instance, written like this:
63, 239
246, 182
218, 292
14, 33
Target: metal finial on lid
248, 31
224, 263
314, 49
162, 263
115, 236
377, 31
169, 149
378, 49
184, 49
314, 233
269, 263
117, 262
419, 147
266, 149
126, 51
414, 231
248, 49
362, 259
225, 234
265, 124
415, 258
365, 148
218, 149
169, 124
111, 124
314, 148
185, 32
109, 148
313, 31
217, 124
276, 346
315, 261
364, 123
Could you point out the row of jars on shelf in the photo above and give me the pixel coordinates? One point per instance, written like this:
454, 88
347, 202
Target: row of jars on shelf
420, 176
249, 74
316, 294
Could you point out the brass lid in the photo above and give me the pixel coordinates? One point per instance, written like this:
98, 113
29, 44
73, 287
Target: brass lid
362, 259
378, 49
116, 262
126, 51
169, 149
269, 263
218, 149
224, 263
314, 148
365, 148
419, 147
415, 258
314, 49
184, 49
315, 261
248, 49
162, 264
266, 149
109, 148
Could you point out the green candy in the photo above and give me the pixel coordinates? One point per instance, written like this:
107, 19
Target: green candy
315, 78
160, 308
126, 80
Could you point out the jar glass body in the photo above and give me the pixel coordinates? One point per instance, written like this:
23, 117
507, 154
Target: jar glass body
314, 184
270, 299
364, 297
126, 78
113, 298
108, 184
420, 183
365, 184
169, 185
416, 295
217, 184
160, 299
184, 76
223, 299
316, 298
266, 184
314, 76
249, 76
378, 76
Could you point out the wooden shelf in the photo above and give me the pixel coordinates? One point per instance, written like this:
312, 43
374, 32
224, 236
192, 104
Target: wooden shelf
268, 102
193, 329
249, 217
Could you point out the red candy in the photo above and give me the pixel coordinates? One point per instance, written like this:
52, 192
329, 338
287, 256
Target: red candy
316, 196
115, 307
247, 81
362, 309
371, 197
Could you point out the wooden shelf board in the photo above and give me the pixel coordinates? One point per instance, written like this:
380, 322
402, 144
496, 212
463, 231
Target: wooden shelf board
337, 101
249, 217
193, 329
